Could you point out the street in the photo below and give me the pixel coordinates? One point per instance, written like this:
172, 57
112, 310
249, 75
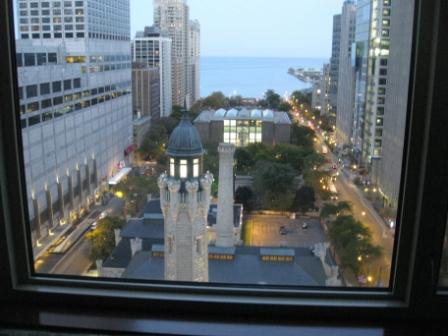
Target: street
76, 260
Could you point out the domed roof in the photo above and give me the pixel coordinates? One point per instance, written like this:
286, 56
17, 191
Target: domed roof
185, 139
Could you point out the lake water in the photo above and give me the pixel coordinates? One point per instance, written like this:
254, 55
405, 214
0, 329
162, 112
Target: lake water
252, 76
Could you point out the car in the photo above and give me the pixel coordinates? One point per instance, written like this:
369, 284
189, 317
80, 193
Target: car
305, 226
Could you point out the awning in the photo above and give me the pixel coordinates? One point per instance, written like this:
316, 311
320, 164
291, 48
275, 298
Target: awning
119, 176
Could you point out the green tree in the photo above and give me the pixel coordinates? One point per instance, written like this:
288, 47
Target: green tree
244, 161
353, 243
169, 123
274, 185
216, 100
135, 190
245, 196
302, 136
235, 101
331, 209
154, 142
272, 100
284, 106
102, 239
301, 97
304, 200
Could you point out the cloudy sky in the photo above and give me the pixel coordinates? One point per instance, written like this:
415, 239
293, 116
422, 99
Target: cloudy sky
264, 28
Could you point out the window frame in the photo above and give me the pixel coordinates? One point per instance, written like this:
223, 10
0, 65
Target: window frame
413, 293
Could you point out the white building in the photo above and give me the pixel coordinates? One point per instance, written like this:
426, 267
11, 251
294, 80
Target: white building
172, 18
154, 50
74, 74
194, 60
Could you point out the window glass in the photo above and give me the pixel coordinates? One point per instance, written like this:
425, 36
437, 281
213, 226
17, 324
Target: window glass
306, 182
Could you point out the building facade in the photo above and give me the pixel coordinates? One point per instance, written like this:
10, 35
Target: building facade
325, 87
379, 47
154, 50
346, 79
185, 201
389, 176
145, 91
243, 126
74, 74
334, 62
361, 64
194, 60
172, 18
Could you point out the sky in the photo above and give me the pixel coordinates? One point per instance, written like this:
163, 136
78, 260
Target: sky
260, 28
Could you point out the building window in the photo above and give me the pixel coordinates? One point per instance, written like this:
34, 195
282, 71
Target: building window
183, 169
195, 167
172, 167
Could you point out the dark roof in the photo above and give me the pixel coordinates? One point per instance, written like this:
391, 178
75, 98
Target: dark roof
185, 140
246, 268
153, 212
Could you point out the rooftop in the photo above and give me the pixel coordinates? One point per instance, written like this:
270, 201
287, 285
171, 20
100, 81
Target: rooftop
185, 140
244, 114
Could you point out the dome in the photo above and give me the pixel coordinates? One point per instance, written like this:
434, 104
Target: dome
185, 140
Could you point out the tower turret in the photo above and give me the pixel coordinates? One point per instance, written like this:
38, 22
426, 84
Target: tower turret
185, 201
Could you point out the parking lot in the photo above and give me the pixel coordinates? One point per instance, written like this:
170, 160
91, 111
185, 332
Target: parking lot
266, 230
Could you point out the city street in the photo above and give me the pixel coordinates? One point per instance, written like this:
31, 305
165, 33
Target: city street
364, 212
76, 260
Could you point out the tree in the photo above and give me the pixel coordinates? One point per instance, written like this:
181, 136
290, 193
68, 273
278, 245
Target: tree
274, 185
284, 106
304, 200
353, 243
245, 196
271, 99
169, 123
235, 101
154, 143
244, 161
102, 239
302, 136
216, 100
135, 190
301, 97
330, 209
176, 112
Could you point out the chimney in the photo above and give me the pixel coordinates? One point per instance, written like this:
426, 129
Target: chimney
136, 245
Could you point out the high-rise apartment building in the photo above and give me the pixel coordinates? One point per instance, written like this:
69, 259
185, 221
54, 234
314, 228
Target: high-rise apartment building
346, 79
194, 75
74, 74
172, 18
361, 57
153, 49
373, 120
334, 62
325, 86
394, 120
145, 91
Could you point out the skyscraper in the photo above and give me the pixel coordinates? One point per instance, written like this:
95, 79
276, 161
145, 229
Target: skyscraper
194, 75
362, 43
154, 50
379, 44
334, 62
74, 73
172, 18
346, 79
325, 86
399, 64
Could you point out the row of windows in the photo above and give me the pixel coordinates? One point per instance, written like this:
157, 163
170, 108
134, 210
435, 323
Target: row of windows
49, 35
47, 12
277, 258
102, 68
46, 103
36, 28
47, 116
32, 91
214, 256
33, 59
55, 4
47, 20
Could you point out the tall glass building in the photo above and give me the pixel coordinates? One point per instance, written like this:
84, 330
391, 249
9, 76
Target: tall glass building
74, 73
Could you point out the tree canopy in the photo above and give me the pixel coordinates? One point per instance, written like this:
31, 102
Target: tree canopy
304, 200
102, 239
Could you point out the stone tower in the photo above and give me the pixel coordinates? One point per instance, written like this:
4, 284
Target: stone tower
224, 224
185, 202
